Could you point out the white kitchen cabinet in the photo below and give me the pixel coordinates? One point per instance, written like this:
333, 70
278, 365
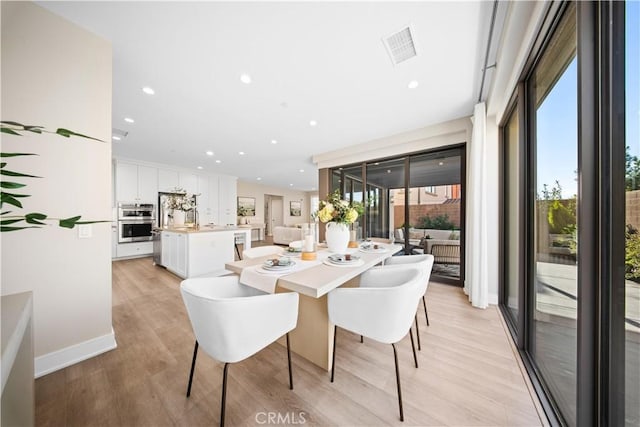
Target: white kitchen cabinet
201, 252
168, 180
136, 183
189, 182
204, 201
147, 184
181, 254
214, 203
175, 252
126, 182
134, 249
227, 195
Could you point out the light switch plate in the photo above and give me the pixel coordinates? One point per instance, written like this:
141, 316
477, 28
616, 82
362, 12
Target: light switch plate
84, 231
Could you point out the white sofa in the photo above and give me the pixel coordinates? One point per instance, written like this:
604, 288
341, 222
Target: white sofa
284, 235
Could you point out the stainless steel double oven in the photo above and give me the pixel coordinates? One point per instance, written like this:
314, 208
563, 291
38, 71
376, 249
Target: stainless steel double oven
135, 222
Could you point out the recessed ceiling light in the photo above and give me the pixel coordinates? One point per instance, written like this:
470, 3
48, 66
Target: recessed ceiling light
241, 153
301, 170
209, 153
199, 167
116, 138
259, 179
290, 185
245, 78
376, 163
218, 161
313, 123
129, 120
273, 141
441, 163
148, 90
388, 170
413, 84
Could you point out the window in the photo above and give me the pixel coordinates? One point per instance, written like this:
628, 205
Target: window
632, 216
511, 153
570, 178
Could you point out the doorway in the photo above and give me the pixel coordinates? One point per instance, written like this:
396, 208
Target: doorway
273, 212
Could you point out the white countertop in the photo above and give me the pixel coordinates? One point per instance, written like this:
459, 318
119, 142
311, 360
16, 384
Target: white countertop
203, 229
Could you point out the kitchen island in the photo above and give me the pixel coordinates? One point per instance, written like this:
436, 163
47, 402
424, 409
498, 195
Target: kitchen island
200, 251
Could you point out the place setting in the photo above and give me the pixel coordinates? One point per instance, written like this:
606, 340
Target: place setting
343, 260
373, 247
276, 265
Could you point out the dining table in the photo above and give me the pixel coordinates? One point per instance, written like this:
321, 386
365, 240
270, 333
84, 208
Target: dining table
312, 338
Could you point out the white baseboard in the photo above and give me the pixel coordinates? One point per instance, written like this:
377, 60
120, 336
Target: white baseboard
71, 355
493, 299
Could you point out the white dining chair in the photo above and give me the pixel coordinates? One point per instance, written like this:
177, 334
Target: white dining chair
425, 264
260, 251
232, 322
382, 309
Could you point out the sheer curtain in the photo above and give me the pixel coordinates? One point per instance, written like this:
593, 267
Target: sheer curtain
476, 284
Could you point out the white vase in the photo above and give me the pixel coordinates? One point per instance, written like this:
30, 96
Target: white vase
337, 236
178, 218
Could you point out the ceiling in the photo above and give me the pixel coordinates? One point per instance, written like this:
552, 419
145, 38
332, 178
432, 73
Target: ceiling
322, 61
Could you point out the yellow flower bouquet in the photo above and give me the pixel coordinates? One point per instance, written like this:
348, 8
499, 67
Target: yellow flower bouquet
334, 209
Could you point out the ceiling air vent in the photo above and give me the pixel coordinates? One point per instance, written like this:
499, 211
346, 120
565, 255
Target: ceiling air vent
118, 134
400, 45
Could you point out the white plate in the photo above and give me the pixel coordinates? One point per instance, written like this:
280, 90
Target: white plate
292, 252
340, 259
350, 264
268, 264
369, 247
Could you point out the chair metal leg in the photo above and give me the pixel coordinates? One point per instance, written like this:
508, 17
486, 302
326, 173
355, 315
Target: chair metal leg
413, 347
224, 394
425, 310
395, 357
361, 339
193, 367
289, 360
333, 360
418, 332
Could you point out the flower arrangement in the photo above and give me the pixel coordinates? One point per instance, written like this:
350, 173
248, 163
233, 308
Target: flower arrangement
334, 209
180, 200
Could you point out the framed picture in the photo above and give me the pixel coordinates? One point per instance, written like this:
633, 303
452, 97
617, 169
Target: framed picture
295, 208
246, 206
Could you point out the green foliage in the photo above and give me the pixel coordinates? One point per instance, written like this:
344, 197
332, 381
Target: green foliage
561, 213
632, 254
19, 221
440, 222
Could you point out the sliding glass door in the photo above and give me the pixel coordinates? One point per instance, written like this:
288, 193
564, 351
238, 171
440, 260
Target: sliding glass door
416, 200
570, 269
632, 218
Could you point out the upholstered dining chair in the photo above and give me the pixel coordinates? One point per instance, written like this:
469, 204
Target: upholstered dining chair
425, 264
382, 309
232, 322
259, 251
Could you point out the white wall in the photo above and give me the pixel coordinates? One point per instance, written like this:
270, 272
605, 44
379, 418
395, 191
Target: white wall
257, 191
439, 135
55, 74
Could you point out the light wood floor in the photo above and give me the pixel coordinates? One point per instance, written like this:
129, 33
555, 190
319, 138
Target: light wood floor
468, 374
